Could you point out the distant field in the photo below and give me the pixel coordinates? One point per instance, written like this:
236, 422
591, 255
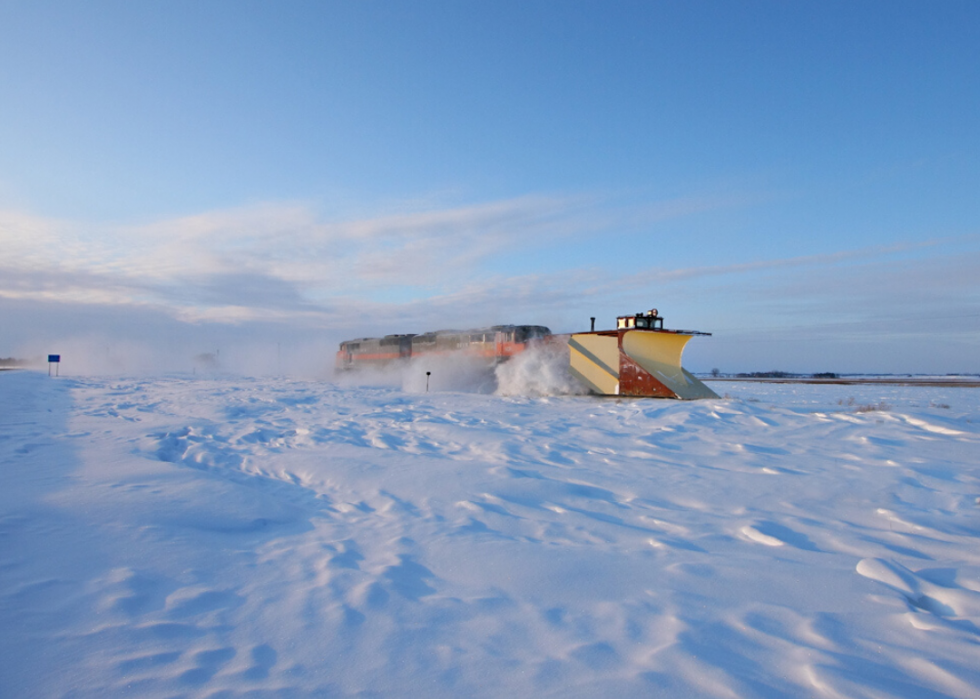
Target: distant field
957, 381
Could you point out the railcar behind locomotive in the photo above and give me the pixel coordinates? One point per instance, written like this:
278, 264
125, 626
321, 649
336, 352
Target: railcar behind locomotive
494, 344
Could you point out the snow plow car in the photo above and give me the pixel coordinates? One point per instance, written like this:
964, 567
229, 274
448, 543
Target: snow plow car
639, 358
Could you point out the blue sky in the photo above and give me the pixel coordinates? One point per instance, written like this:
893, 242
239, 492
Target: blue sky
802, 179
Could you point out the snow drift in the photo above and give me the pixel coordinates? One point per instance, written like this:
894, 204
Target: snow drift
202, 538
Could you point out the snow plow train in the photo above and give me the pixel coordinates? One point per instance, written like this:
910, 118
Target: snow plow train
639, 358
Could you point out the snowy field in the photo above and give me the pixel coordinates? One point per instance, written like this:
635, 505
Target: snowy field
275, 538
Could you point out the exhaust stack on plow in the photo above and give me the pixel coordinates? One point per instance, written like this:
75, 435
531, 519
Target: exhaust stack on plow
639, 358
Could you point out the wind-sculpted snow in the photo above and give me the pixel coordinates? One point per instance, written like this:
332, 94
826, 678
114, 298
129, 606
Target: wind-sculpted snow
173, 537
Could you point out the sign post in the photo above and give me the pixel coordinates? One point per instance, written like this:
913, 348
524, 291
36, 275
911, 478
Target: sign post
56, 360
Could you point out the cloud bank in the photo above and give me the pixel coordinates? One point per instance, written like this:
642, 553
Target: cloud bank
288, 274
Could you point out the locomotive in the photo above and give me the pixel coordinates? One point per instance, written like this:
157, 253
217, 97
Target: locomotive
494, 344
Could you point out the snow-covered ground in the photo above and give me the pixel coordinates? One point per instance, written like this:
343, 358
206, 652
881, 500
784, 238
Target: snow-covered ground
227, 537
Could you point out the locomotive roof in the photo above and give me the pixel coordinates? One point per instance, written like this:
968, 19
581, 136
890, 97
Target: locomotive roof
493, 328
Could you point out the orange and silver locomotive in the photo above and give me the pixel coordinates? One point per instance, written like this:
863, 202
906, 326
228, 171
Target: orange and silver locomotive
495, 344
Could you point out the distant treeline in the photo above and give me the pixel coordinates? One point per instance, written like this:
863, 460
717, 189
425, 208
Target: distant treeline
715, 373
12, 361
786, 375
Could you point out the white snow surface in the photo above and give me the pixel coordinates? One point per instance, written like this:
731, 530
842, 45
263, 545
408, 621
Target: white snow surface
169, 537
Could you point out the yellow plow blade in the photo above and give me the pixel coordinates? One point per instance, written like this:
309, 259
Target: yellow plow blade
659, 354
646, 364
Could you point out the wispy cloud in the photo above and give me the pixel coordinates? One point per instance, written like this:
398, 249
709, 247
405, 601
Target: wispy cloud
831, 259
285, 257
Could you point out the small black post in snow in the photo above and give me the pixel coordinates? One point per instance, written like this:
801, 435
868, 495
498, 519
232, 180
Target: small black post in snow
427, 375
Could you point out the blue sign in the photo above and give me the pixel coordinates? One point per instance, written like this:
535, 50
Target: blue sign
54, 358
